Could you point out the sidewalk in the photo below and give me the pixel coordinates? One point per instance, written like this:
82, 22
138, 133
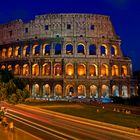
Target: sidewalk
17, 134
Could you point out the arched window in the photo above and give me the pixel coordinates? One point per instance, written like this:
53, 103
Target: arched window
46, 90
81, 70
3, 67
46, 49
69, 49
93, 91
92, 49
57, 69
70, 90
9, 52
36, 50
124, 71
104, 70
25, 69
115, 70
46, 69
17, 51
26, 51
93, 70
114, 50
58, 90
58, 48
105, 91
103, 50
115, 90
4, 53
124, 91
69, 69
81, 91
9, 67
35, 90
17, 69
35, 69
81, 49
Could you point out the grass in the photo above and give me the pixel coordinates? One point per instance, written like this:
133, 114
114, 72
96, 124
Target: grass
90, 112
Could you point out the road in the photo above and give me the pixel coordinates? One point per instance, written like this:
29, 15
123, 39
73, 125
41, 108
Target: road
51, 125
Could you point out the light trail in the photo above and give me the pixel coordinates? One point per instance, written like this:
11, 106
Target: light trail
49, 131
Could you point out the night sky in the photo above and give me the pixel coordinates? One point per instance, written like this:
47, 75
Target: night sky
125, 15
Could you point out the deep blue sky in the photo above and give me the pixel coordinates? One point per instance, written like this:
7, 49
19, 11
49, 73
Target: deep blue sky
125, 15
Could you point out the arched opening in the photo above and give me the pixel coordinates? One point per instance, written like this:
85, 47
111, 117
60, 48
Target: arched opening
115, 90
69, 49
93, 70
92, 49
3, 67
69, 69
81, 70
105, 91
17, 69
114, 50
46, 90
70, 90
103, 50
27, 87
115, 70
4, 53
81, 49
36, 50
58, 91
58, 48
104, 70
9, 52
9, 67
25, 69
93, 91
35, 90
35, 69
17, 51
26, 51
46, 49
124, 91
57, 69
81, 91
46, 69
124, 71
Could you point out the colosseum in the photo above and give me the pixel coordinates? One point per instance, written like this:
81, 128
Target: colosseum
67, 55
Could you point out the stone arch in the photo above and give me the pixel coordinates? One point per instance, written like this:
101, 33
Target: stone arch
70, 90
46, 90
103, 50
36, 50
115, 90
4, 51
124, 91
17, 51
57, 69
35, 90
26, 50
58, 49
105, 91
35, 69
81, 91
115, 70
104, 70
92, 49
69, 49
46, 49
81, 70
124, 71
93, 91
46, 69
81, 48
25, 69
10, 52
58, 90
114, 50
17, 69
69, 69
93, 71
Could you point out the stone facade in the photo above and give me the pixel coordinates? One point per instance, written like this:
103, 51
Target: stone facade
64, 55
